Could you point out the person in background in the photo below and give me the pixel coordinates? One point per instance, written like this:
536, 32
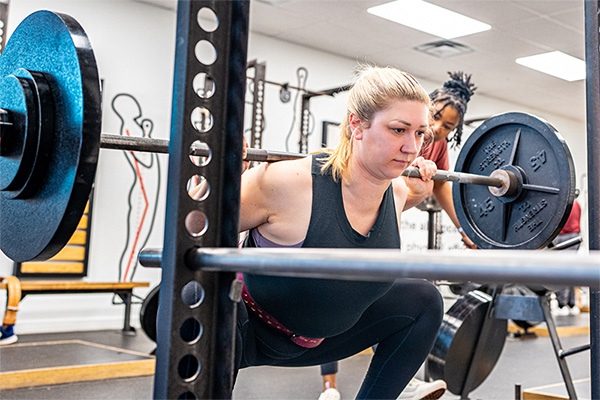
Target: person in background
13, 297
571, 229
449, 106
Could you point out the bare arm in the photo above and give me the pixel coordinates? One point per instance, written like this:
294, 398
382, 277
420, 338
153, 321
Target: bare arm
443, 194
413, 198
254, 200
276, 197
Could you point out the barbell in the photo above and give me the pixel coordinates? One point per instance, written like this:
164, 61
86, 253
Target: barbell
517, 179
500, 182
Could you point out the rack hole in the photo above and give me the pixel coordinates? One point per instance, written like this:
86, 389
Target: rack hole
202, 119
205, 52
200, 160
196, 223
191, 330
198, 188
207, 19
192, 294
204, 85
188, 368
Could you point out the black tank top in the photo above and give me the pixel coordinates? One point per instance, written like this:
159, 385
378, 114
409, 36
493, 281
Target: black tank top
327, 307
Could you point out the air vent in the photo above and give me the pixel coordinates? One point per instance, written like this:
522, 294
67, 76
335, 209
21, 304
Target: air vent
444, 49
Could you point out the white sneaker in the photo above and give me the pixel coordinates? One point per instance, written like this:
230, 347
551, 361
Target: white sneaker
419, 390
330, 394
574, 310
562, 312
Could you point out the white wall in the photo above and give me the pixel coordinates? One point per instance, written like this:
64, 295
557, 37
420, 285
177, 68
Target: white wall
134, 46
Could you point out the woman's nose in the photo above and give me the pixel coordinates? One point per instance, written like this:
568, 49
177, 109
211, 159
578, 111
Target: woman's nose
435, 127
411, 144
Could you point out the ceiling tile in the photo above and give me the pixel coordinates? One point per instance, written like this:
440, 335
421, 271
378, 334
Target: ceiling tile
548, 7
519, 28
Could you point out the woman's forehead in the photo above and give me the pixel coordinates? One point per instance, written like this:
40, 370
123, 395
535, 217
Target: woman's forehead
441, 107
412, 113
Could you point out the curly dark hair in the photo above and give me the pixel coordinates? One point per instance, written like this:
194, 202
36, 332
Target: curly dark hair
455, 92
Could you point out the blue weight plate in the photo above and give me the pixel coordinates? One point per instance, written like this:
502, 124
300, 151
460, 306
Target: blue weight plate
532, 147
55, 45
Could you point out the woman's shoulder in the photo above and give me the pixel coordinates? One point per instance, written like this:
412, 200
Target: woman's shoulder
284, 173
297, 166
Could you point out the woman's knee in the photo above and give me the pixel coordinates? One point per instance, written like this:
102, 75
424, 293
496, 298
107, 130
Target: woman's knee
428, 300
433, 301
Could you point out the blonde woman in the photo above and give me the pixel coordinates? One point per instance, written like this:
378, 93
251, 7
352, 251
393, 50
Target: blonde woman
351, 197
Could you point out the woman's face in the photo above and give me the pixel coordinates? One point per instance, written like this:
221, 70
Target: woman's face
443, 121
392, 139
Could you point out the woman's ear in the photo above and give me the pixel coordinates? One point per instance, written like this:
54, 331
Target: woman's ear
355, 124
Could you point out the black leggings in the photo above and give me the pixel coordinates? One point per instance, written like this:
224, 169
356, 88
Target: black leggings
403, 322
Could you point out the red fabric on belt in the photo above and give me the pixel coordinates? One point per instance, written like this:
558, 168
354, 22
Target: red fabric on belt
271, 321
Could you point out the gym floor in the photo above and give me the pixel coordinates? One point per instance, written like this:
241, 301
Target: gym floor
528, 361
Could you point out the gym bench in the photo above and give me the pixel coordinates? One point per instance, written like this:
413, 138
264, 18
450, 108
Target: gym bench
122, 289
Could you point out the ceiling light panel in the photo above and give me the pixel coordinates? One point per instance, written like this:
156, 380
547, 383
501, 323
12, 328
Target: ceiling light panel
556, 63
429, 18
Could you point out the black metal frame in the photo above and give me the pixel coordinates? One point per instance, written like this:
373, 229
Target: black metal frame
257, 125
202, 367
592, 55
325, 131
305, 114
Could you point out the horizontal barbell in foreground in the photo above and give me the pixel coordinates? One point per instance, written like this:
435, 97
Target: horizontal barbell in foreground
522, 266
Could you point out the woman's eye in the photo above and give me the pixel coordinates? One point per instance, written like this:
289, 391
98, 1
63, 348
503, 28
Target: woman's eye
420, 133
398, 130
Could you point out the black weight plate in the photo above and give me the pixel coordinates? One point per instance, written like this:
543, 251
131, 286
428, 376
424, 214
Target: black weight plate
149, 313
55, 45
17, 96
527, 144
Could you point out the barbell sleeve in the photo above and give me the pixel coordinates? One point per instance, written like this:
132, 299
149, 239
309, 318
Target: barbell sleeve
460, 177
150, 258
134, 143
129, 143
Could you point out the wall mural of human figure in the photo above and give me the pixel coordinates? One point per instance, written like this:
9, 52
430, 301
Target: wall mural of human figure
145, 185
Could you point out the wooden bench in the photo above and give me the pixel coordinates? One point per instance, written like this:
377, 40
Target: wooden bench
123, 289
